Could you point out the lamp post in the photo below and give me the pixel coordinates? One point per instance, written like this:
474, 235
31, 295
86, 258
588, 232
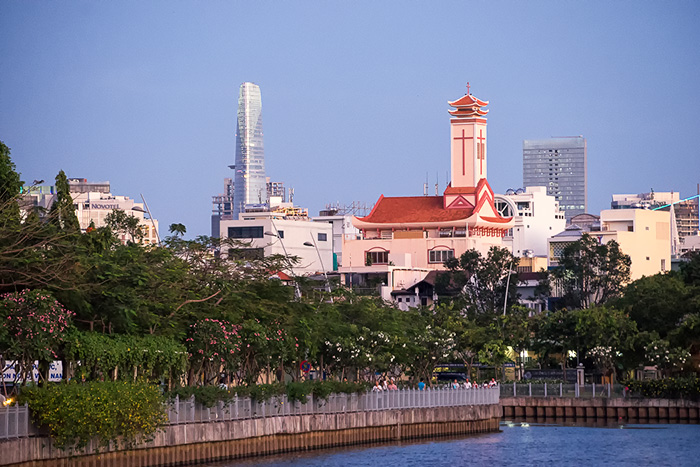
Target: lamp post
297, 292
505, 300
328, 285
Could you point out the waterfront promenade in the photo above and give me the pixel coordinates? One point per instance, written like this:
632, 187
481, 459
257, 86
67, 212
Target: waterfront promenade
573, 402
244, 427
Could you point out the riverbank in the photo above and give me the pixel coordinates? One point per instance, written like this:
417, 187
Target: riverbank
567, 408
213, 441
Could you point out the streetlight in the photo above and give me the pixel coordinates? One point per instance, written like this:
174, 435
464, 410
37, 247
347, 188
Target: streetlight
297, 292
505, 300
328, 285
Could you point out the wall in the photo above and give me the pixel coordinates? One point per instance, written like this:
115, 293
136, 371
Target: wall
210, 442
601, 409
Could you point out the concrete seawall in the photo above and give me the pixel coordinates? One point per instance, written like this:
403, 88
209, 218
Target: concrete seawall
567, 408
218, 441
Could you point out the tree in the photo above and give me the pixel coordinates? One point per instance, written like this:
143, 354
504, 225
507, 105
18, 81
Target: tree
10, 188
480, 283
591, 273
126, 224
34, 326
62, 212
177, 229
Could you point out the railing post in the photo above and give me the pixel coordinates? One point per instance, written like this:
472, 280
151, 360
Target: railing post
593, 390
515, 393
609, 390
561, 390
545, 389
529, 389
577, 390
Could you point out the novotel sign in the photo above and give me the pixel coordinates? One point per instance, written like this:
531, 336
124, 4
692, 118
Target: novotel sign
104, 206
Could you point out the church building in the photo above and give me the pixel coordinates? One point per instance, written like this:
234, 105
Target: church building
406, 237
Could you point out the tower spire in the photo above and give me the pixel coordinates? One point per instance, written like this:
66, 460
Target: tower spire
468, 91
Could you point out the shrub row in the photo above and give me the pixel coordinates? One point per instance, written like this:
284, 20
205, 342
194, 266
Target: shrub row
296, 391
668, 388
120, 412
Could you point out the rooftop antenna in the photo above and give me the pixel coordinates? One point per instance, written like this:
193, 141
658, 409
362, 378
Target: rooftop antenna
425, 185
437, 182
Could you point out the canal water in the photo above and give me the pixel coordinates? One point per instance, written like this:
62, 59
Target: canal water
518, 443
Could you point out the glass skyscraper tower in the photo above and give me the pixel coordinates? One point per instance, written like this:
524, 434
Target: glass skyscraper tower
249, 186
560, 164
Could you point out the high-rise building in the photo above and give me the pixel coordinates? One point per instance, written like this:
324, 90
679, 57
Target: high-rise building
249, 183
560, 164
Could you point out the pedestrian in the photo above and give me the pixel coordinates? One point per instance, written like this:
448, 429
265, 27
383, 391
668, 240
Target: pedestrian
455, 384
421, 385
377, 387
392, 385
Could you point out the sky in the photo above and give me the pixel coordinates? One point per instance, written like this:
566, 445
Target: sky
144, 94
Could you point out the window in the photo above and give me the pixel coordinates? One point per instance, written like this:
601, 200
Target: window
245, 232
322, 237
663, 265
440, 256
377, 257
246, 253
280, 233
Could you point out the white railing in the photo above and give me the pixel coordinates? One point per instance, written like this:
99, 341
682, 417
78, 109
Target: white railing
188, 411
589, 390
14, 422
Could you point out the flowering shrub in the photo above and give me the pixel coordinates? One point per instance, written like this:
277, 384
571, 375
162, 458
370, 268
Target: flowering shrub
34, 325
660, 354
667, 388
123, 413
213, 344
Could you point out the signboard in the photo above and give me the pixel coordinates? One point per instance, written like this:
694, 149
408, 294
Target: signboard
551, 374
55, 372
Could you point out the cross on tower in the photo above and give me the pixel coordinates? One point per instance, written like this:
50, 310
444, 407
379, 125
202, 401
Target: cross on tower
468, 92
463, 138
481, 151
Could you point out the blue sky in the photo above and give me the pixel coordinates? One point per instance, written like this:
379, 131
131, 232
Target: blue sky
144, 94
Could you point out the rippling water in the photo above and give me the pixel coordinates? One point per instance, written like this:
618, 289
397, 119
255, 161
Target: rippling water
519, 443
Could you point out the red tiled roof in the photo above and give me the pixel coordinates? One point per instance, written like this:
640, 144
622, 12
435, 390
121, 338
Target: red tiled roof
412, 209
459, 190
467, 101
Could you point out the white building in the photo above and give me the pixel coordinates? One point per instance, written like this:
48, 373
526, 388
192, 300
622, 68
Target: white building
93, 202
342, 230
276, 233
537, 217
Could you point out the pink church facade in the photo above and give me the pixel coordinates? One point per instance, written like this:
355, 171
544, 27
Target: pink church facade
408, 236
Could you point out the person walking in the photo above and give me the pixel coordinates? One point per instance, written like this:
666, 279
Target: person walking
421, 385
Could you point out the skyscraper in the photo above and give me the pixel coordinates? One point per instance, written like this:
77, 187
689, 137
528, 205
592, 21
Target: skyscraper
249, 183
560, 164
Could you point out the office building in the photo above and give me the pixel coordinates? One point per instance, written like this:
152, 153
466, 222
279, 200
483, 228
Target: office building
642, 234
560, 164
93, 201
536, 215
249, 182
284, 233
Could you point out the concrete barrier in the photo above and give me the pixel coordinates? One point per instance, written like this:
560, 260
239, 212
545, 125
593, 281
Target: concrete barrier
218, 441
600, 409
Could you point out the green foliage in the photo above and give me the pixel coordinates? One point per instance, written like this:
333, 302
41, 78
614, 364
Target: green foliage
126, 224
109, 412
208, 396
10, 188
62, 212
668, 388
33, 328
116, 356
591, 273
481, 282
